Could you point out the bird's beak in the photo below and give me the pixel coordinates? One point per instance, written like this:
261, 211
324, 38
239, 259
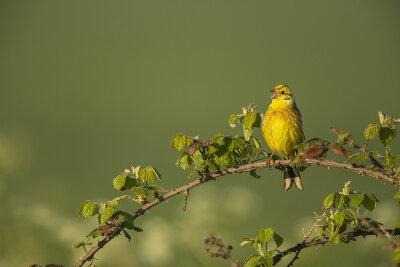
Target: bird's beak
274, 95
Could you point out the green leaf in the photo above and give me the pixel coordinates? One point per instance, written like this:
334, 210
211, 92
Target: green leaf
386, 135
278, 240
107, 214
252, 261
264, 235
149, 174
198, 159
254, 174
267, 261
334, 239
256, 142
127, 219
249, 120
397, 195
124, 182
232, 119
257, 122
369, 201
360, 157
247, 241
178, 141
371, 131
328, 201
214, 147
184, 160
88, 208
357, 200
339, 200
94, 234
339, 218
78, 245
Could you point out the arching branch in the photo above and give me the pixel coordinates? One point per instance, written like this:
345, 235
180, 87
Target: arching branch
243, 168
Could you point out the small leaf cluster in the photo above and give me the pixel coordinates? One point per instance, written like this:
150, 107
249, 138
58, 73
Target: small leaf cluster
341, 213
249, 118
374, 160
141, 182
386, 130
110, 218
111, 221
260, 244
218, 152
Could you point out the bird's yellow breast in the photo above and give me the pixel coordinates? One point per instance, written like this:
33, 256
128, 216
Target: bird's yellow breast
282, 128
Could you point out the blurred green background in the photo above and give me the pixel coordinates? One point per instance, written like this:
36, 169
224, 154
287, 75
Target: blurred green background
89, 87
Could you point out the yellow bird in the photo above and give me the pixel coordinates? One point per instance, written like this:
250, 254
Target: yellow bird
283, 130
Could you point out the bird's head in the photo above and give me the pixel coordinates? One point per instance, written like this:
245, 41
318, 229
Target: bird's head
281, 92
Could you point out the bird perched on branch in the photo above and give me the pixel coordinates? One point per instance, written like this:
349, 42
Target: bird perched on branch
283, 130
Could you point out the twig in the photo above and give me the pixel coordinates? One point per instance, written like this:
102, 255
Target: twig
321, 241
381, 231
243, 168
363, 149
296, 257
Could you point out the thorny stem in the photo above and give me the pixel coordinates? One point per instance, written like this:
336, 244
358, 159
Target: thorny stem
322, 241
362, 149
380, 231
243, 168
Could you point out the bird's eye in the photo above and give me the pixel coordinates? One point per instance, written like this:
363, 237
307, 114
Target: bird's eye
282, 92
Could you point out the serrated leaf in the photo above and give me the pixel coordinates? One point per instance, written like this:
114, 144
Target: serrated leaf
339, 200
339, 218
328, 201
184, 160
264, 235
369, 202
178, 141
334, 239
386, 135
232, 119
148, 174
249, 120
198, 159
107, 214
357, 200
278, 240
213, 148
371, 131
123, 182
360, 157
252, 261
88, 208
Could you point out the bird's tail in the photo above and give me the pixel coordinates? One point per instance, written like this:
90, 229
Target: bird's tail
292, 176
